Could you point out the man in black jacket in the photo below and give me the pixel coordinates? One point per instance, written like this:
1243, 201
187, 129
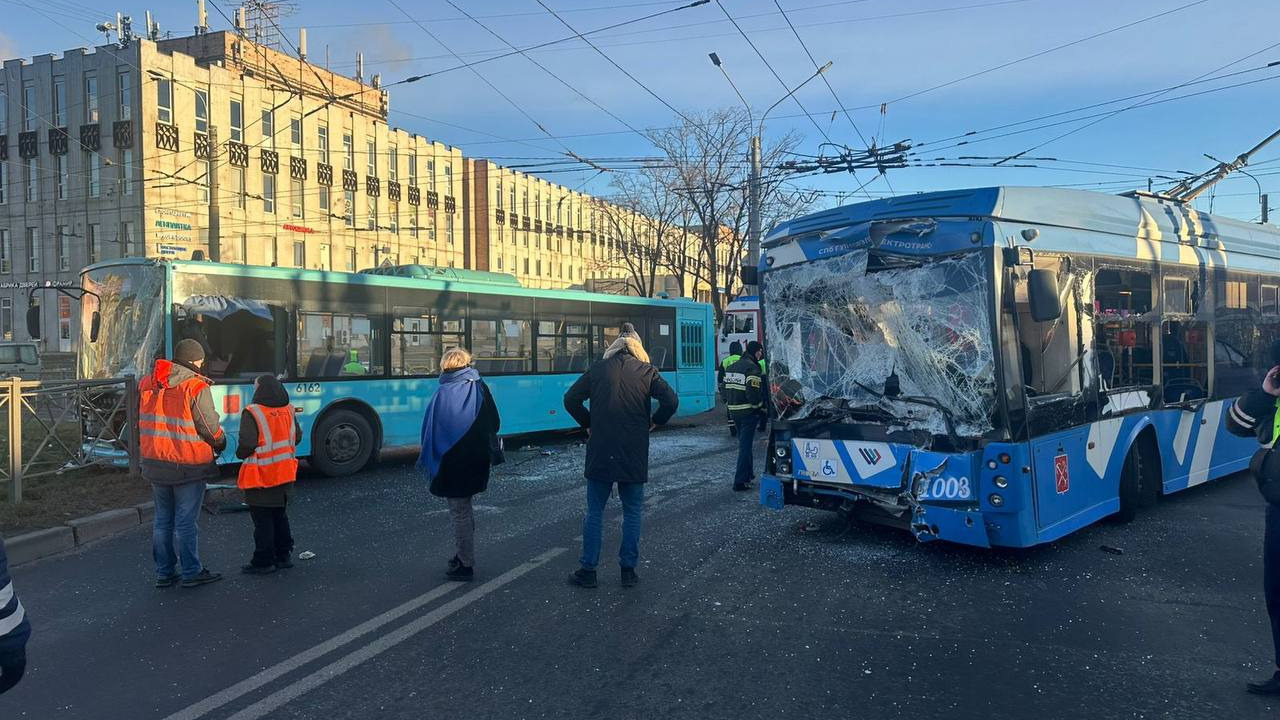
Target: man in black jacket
744, 396
1256, 414
619, 388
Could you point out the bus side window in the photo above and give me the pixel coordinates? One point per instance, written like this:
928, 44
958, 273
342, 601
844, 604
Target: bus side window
1238, 329
1184, 343
241, 337
338, 345
1122, 329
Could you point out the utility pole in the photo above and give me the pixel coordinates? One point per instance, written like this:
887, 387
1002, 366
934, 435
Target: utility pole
215, 214
1265, 209
753, 205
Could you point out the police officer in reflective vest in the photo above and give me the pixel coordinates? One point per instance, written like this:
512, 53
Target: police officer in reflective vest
735, 354
744, 396
1257, 414
269, 434
180, 436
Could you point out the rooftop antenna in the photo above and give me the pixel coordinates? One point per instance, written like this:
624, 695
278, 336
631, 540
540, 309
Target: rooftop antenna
106, 28
202, 18
1184, 192
153, 28
263, 18
125, 23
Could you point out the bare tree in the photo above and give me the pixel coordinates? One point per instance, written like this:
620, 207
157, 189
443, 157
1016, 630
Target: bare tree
706, 167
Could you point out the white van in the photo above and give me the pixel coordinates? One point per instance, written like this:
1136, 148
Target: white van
21, 359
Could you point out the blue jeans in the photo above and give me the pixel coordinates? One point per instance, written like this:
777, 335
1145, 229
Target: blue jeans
632, 497
177, 509
746, 436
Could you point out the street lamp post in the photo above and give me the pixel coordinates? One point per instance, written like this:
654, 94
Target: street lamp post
753, 181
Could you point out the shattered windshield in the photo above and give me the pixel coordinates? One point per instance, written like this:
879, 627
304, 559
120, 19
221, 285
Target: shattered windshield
129, 300
838, 328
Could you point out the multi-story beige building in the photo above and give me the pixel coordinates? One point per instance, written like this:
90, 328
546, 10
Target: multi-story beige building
212, 145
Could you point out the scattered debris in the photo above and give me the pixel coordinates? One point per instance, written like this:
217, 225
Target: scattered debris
306, 555
546, 453
809, 526
1112, 550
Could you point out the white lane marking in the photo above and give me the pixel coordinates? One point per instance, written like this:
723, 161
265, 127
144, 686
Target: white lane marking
1203, 456
288, 665
276, 700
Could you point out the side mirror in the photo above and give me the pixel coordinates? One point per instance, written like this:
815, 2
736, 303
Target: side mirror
33, 322
95, 324
1042, 292
750, 275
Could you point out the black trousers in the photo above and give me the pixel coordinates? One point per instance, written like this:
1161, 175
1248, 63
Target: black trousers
12, 667
1271, 573
272, 541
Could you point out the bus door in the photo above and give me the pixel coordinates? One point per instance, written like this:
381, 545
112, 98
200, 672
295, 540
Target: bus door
694, 372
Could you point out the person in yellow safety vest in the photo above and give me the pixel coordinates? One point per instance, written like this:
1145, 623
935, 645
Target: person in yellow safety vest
179, 435
269, 434
735, 354
354, 366
1257, 414
744, 395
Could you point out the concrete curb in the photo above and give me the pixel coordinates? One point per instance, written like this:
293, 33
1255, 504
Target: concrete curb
74, 533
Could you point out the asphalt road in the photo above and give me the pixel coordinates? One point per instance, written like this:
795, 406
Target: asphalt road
740, 613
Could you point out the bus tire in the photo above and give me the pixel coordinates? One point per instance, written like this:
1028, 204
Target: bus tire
341, 443
1137, 488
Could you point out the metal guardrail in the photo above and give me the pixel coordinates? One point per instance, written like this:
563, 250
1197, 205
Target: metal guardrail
60, 425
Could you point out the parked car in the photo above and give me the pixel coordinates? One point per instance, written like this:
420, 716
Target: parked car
19, 358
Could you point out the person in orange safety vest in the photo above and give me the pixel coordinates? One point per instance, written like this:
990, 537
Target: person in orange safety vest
179, 437
269, 434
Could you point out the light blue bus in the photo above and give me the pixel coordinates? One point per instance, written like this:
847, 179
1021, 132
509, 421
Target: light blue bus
360, 353
1003, 366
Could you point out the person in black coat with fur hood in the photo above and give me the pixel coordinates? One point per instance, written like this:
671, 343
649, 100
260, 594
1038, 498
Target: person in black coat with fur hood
619, 388
1257, 414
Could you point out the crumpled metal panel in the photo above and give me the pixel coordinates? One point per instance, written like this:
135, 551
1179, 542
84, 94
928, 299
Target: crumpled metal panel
837, 331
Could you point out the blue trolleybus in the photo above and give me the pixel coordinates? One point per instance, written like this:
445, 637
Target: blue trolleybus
360, 353
1003, 366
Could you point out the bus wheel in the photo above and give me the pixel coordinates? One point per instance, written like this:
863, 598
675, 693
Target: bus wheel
342, 443
1137, 488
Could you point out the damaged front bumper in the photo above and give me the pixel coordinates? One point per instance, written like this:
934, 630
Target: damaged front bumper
979, 498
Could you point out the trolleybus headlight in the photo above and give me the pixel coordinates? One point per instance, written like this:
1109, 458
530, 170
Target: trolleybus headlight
1001, 482
991, 464
1005, 459
784, 467
995, 500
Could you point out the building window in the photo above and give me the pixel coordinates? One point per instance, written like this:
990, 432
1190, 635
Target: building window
241, 194
395, 218
268, 192
244, 248
413, 169
124, 95
413, 223
431, 174
237, 120
373, 213
295, 198
6, 252
92, 232
4, 111
202, 111
537, 206
295, 133
371, 152
299, 254
126, 172
269, 129
349, 212
326, 258
164, 100
60, 165
448, 179
513, 202
448, 228
131, 245
59, 102
393, 165
351, 259
524, 201
29, 106
33, 249
348, 152
33, 181
322, 142
324, 199
205, 177
90, 100
6, 318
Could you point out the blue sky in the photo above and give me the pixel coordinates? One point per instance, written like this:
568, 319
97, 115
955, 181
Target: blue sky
882, 50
